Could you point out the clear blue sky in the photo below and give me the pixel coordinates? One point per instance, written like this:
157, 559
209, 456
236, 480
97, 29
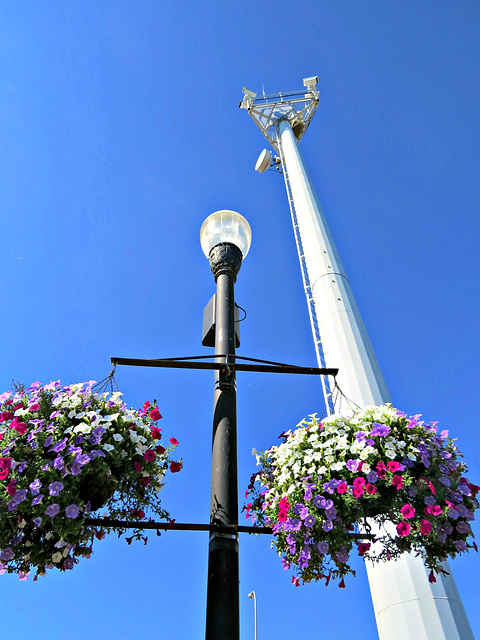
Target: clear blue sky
119, 134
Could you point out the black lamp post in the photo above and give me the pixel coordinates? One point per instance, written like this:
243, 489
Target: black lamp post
225, 237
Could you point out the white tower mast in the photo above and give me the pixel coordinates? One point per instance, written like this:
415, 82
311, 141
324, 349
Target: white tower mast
406, 604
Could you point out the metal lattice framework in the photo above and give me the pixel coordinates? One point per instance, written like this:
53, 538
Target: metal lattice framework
297, 107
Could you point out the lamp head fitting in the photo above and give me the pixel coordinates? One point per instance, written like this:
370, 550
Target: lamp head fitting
225, 258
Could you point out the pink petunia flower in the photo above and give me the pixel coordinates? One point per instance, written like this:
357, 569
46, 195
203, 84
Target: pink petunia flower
403, 528
407, 511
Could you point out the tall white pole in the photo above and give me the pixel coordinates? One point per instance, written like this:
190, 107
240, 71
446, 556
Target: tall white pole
406, 604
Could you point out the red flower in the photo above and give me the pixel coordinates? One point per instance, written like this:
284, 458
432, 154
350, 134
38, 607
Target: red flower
393, 466
155, 414
12, 487
431, 577
363, 547
159, 449
146, 405
149, 455
140, 514
432, 488
146, 481
175, 467
342, 487
434, 510
357, 491
284, 507
173, 441
371, 489
296, 581
407, 511
156, 433
4, 474
342, 584
397, 482
5, 463
381, 468
6, 415
425, 527
403, 528
138, 466
20, 427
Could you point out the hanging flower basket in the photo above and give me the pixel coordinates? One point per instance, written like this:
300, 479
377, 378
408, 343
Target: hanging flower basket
371, 470
66, 452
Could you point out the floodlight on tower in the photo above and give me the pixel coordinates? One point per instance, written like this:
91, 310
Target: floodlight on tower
406, 604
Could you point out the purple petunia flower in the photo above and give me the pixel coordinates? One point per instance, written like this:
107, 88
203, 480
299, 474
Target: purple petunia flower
54, 488
6, 554
303, 512
286, 563
48, 441
343, 557
291, 539
322, 547
68, 563
331, 513
74, 450
463, 527
445, 481
37, 500
60, 446
327, 525
37, 521
319, 502
82, 459
72, 511
76, 468
21, 467
58, 463
380, 429
303, 559
460, 545
297, 508
35, 487
352, 465
52, 510
430, 500
329, 487
465, 489
98, 431
372, 477
309, 521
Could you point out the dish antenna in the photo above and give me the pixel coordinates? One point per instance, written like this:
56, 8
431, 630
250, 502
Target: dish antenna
264, 161
267, 161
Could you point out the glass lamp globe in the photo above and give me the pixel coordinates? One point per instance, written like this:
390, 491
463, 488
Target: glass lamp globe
225, 226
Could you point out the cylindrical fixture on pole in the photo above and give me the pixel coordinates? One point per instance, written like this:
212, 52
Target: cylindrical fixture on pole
406, 605
223, 616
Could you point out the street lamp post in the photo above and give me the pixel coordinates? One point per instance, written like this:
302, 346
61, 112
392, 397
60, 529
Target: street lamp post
225, 237
253, 595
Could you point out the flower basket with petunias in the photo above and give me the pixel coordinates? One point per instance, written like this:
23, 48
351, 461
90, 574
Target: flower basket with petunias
369, 470
66, 452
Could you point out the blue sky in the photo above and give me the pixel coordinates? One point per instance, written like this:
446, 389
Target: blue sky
119, 134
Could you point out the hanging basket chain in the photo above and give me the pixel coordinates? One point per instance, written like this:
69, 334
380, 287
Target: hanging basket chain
107, 383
